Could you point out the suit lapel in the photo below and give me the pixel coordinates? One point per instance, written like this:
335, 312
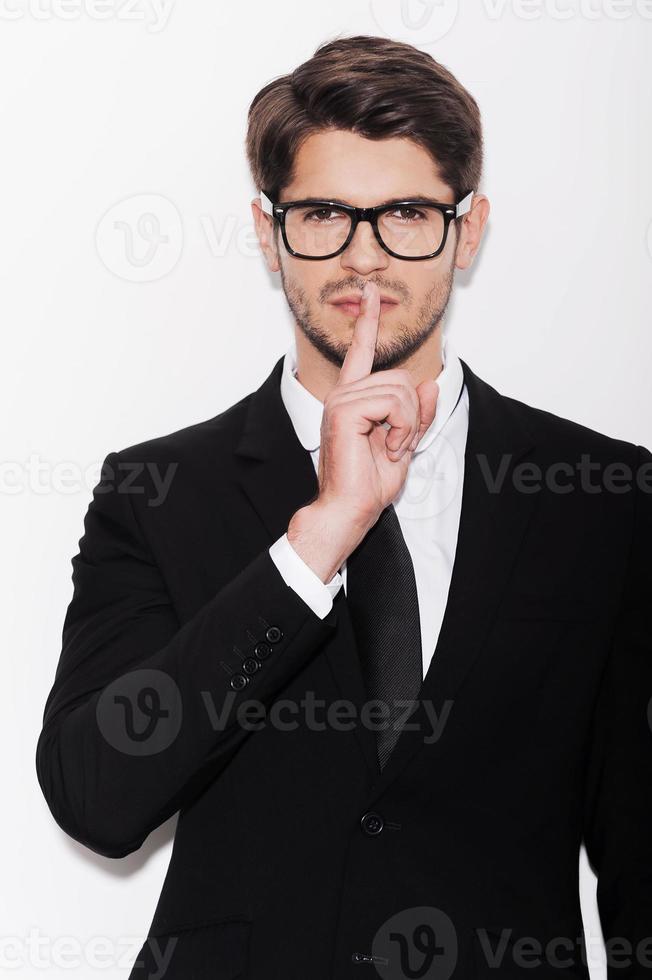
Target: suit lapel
276, 472
278, 477
492, 525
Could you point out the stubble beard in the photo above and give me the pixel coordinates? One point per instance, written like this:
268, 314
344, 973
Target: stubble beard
407, 337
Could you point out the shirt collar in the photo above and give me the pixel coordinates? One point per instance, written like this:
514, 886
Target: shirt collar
305, 410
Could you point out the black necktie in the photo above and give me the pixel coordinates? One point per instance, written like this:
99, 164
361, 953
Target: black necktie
381, 593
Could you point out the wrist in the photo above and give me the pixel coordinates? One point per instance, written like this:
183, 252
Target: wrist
323, 537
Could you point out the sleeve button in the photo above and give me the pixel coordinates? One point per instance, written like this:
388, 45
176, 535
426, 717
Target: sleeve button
239, 681
262, 650
250, 665
274, 634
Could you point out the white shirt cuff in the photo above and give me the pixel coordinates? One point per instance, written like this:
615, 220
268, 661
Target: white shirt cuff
300, 577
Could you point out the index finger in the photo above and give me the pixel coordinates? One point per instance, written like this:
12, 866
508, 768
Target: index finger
359, 357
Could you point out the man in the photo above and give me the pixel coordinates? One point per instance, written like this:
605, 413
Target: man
383, 640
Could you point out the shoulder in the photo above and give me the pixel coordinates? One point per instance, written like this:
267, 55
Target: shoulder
561, 447
192, 441
555, 435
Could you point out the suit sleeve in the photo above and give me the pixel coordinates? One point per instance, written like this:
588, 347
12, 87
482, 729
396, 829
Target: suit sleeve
618, 802
143, 712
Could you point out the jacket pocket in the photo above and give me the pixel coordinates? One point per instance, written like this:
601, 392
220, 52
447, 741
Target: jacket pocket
216, 950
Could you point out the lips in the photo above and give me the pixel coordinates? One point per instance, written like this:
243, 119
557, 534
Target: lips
354, 299
351, 305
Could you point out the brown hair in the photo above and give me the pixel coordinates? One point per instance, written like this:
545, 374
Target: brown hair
373, 86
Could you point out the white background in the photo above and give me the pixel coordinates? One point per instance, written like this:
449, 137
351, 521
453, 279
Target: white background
103, 107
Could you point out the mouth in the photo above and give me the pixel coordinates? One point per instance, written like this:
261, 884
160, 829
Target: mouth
350, 305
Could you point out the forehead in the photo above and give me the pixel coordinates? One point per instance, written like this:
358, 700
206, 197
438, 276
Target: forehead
345, 165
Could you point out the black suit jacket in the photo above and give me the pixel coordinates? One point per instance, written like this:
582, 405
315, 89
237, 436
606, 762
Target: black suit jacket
540, 683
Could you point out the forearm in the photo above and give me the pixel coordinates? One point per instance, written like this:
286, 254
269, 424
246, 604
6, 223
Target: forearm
108, 789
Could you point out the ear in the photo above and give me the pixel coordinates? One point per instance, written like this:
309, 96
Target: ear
470, 231
265, 231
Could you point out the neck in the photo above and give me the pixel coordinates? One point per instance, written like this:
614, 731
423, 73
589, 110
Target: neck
319, 375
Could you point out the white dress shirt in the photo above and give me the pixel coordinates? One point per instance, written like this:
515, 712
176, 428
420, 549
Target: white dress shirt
428, 505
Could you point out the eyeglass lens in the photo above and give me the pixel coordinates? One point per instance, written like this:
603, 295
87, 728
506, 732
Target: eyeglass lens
411, 231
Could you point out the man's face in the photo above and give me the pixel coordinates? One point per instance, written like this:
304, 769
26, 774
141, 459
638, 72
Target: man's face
342, 165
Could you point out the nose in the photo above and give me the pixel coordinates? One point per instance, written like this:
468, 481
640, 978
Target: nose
363, 254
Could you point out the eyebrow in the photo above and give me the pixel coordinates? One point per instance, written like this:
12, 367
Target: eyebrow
391, 200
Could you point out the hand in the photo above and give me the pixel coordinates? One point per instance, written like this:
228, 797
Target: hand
363, 464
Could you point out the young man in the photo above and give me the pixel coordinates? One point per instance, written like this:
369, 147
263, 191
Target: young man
384, 641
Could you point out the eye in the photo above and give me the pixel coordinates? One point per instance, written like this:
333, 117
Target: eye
321, 215
408, 214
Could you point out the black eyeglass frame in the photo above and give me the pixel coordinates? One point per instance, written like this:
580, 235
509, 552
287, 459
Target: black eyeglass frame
449, 211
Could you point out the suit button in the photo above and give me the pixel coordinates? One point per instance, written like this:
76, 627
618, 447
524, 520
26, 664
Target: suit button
262, 650
250, 665
372, 824
274, 634
238, 681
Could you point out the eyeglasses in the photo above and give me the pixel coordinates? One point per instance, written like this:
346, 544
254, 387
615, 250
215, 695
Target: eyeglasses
317, 229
